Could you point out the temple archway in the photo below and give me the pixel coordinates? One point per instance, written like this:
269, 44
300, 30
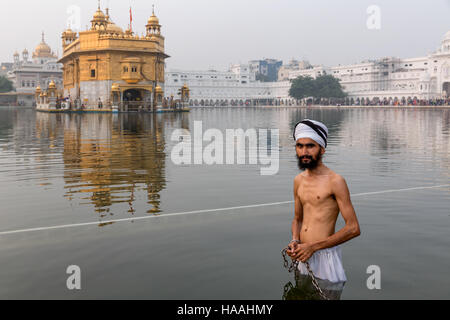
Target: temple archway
446, 89
132, 95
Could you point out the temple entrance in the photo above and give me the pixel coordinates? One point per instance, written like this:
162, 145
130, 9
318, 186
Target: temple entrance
132, 95
136, 100
446, 89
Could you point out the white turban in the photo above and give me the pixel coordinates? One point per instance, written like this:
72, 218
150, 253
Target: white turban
311, 129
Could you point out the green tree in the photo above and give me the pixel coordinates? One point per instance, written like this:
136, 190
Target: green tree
302, 87
323, 87
328, 87
5, 85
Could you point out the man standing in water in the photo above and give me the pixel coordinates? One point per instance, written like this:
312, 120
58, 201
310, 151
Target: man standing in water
320, 194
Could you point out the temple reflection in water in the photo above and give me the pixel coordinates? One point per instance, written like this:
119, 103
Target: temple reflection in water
112, 159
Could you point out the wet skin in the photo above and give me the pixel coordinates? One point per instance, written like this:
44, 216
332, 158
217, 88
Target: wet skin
320, 195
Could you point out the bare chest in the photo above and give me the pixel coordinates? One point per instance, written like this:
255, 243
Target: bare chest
316, 193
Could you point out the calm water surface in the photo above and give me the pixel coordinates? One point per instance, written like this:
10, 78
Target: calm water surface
69, 169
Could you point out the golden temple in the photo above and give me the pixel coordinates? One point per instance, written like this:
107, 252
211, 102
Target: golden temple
106, 68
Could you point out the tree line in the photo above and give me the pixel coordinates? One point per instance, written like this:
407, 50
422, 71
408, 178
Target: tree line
5, 85
323, 87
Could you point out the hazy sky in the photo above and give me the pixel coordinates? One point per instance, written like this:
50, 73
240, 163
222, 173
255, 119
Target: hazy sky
204, 34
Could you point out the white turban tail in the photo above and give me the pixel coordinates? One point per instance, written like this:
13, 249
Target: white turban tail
311, 129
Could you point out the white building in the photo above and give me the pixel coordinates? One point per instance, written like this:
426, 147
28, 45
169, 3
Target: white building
313, 72
234, 87
293, 65
27, 74
391, 79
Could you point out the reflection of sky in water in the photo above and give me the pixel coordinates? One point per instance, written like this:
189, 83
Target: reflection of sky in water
115, 162
108, 160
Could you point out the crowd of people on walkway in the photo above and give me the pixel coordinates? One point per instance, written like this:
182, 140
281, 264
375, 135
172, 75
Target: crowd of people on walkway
380, 102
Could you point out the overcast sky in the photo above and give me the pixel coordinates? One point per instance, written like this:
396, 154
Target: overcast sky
205, 34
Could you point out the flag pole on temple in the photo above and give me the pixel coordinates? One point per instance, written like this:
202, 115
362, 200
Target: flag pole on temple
131, 20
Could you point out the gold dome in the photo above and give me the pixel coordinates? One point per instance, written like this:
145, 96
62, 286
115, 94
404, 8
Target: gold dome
38, 89
99, 20
68, 32
99, 15
112, 27
43, 47
43, 50
153, 20
52, 85
158, 89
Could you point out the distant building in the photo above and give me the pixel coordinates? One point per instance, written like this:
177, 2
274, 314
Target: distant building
218, 88
266, 69
243, 73
312, 71
28, 74
293, 65
393, 79
390, 79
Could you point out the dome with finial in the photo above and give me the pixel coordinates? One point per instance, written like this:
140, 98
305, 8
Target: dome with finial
52, 85
99, 15
153, 20
99, 20
68, 32
43, 50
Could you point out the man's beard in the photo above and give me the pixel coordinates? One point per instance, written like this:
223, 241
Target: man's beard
312, 164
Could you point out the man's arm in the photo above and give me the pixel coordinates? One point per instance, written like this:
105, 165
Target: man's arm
351, 229
298, 218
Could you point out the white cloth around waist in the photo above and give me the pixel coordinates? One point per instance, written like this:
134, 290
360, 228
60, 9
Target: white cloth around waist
326, 264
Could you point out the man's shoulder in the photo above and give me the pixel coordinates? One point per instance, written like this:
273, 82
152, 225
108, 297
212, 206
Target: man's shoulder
337, 180
298, 178
336, 176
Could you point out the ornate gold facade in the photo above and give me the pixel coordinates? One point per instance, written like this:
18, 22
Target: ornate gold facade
106, 66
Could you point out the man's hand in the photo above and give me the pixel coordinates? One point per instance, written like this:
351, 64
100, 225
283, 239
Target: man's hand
292, 246
302, 252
